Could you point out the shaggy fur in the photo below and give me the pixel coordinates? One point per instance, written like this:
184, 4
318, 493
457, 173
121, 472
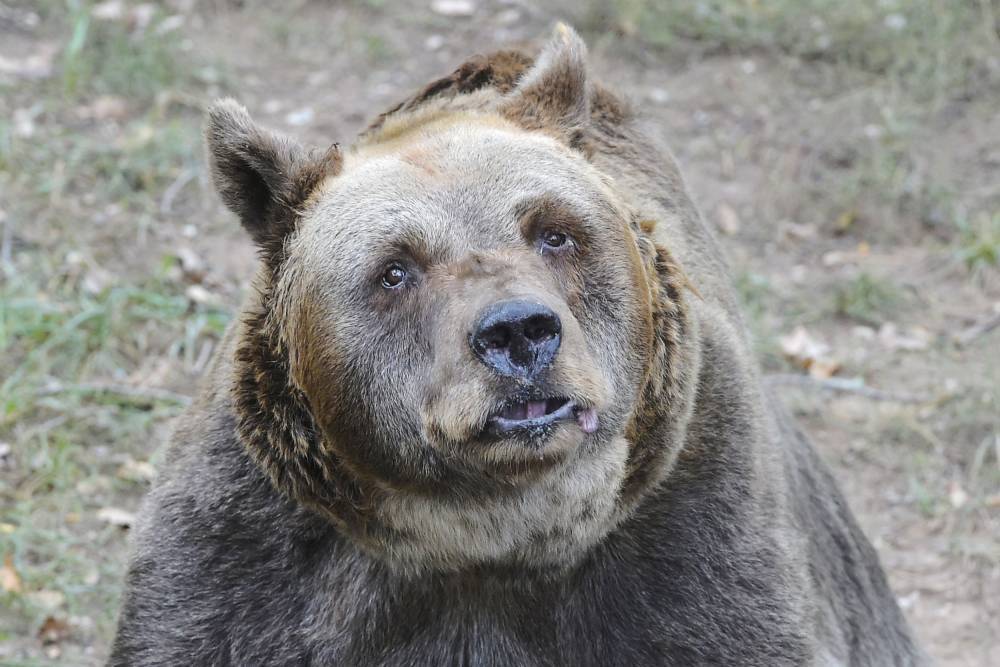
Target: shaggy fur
334, 497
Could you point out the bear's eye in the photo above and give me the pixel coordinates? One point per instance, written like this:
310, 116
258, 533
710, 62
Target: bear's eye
394, 276
555, 241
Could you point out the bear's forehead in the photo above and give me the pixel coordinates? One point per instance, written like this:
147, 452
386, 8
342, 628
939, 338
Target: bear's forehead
494, 162
453, 180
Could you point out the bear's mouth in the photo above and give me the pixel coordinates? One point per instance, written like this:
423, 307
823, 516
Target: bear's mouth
539, 413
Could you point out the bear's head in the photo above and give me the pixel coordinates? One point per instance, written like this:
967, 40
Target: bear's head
464, 348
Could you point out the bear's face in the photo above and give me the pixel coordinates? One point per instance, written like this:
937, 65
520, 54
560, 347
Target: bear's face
463, 350
473, 299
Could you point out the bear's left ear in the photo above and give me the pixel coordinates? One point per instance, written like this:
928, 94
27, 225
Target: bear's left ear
554, 94
262, 176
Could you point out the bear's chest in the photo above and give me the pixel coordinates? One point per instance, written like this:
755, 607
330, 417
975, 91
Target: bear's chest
647, 612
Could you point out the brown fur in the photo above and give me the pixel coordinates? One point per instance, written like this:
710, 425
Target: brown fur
337, 497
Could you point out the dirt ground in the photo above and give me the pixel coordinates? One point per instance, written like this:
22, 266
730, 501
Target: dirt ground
853, 180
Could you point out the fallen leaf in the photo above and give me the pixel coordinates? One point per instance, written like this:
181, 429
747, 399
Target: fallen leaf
809, 353
105, 107
839, 257
170, 24
34, 66
914, 340
844, 221
199, 294
116, 516
10, 580
192, 265
728, 220
137, 471
453, 7
113, 10
53, 630
24, 122
863, 332
140, 16
798, 231
823, 368
957, 496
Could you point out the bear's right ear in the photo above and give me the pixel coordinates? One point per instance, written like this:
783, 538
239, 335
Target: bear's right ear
555, 93
262, 176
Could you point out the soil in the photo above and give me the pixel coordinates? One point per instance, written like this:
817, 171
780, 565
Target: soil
759, 138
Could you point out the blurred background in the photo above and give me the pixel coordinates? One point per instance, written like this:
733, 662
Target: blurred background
846, 152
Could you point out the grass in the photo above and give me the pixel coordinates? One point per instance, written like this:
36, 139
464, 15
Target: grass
866, 299
90, 298
932, 47
896, 64
82, 308
106, 57
979, 241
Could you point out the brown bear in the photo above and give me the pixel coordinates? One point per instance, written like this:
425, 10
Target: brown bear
491, 402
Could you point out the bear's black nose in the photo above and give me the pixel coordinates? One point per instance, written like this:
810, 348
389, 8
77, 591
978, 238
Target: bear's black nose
516, 338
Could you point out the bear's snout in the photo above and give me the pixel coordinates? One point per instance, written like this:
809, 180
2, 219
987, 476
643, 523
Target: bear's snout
516, 338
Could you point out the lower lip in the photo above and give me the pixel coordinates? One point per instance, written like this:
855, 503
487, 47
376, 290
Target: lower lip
566, 412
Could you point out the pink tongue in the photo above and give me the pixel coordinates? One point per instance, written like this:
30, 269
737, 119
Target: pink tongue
536, 409
587, 419
515, 412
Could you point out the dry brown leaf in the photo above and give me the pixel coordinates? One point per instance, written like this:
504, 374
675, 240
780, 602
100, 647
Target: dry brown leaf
105, 107
198, 294
116, 516
53, 630
797, 231
136, 471
809, 353
193, 266
10, 580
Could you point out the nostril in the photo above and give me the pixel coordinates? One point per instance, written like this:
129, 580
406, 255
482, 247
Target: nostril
497, 337
540, 327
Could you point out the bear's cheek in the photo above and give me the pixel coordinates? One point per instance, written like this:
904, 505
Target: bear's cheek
359, 374
615, 317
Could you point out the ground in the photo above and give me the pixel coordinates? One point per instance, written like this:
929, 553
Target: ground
847, 153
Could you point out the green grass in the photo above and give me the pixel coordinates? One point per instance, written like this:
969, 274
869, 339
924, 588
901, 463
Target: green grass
106, 57
82, 195
866, 298
931, 47
84, 316
979, 241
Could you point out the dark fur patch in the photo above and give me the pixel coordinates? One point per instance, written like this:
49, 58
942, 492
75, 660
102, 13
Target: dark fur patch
746, 553
262, 176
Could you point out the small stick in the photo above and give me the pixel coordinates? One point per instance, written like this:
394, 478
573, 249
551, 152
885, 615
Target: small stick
844, 386
167, 201
136, 394
978, 329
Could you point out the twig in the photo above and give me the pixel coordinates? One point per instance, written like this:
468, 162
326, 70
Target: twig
978, 329
141, 395
844, 386
167, 201
6, 242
